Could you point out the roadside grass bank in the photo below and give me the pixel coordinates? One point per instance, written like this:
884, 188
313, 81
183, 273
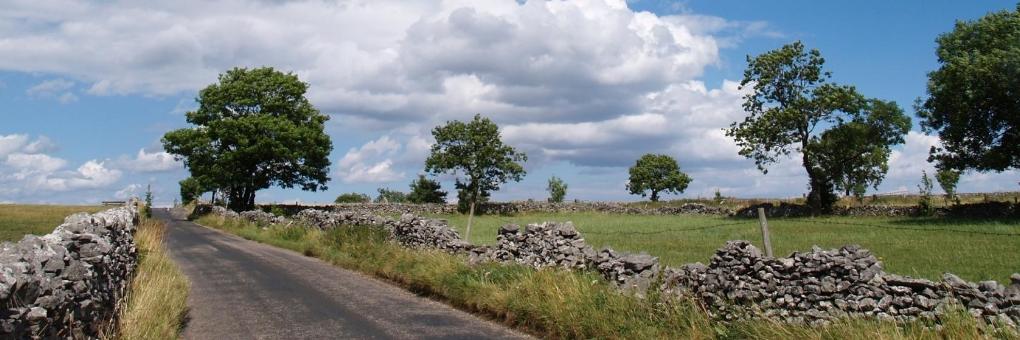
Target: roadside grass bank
557, 303
156, 304
974, 249
17, 220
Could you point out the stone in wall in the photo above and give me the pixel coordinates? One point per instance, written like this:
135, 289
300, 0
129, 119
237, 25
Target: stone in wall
68, 283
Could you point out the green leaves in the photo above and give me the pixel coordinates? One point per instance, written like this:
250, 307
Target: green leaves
474, 149
557, 189
657, 173
973, 98
424, 190
253, 130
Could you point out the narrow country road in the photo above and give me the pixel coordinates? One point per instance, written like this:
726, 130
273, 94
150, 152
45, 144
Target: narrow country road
246, 290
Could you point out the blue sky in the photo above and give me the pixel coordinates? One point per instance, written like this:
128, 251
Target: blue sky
88, 88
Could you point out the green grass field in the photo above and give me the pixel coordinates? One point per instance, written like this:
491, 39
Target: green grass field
16, 220
975, 250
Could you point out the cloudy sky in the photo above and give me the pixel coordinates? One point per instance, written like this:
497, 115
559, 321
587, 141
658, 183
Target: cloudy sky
583, 87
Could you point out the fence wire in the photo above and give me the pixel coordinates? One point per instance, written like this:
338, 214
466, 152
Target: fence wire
961, 231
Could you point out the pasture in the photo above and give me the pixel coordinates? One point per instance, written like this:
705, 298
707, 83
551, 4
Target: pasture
17, 220
975, 250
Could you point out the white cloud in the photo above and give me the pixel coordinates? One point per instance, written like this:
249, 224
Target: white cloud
54, 88
131, 190
371, 163
26, 171
150, 162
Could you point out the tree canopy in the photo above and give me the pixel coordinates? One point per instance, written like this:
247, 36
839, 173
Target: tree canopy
252, 130
475, 151
791, 100
973, 101
424, 190
855, 155
656, 173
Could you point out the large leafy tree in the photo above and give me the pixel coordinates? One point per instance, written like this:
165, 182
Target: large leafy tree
424, 190
656, 173
252, 130
854, 155
791, 100
475, 151
973, 101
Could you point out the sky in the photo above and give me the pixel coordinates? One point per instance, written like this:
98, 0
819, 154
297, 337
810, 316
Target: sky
88, 88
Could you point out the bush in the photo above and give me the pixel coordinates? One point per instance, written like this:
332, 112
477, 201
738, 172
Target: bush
353, 197
925, 205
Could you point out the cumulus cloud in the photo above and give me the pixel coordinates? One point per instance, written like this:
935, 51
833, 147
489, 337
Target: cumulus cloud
150, 162
131, 190
371, 163
25, 169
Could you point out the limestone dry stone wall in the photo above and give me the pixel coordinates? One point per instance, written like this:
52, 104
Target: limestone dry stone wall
68, 283
739, 282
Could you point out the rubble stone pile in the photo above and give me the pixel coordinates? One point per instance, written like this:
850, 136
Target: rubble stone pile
68, 283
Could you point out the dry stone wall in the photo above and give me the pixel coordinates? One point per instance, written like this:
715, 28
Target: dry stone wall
739, 282
68, 283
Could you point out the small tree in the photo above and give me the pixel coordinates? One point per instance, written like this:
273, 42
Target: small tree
475, 150
557, 189
353, 197
148, 200
924, 191
390, 196
424, 190
655, 174
948, 178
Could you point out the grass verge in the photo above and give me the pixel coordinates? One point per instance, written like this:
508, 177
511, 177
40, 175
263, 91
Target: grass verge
556, 303
157, 300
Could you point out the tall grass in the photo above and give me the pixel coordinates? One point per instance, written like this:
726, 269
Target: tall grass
157, 300
556, 303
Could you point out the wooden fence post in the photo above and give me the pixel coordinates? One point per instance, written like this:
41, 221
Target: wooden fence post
765, 231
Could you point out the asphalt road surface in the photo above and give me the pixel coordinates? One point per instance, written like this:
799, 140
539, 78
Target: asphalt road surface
242, 289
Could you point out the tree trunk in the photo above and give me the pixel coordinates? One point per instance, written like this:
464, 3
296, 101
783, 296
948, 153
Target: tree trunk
655, 196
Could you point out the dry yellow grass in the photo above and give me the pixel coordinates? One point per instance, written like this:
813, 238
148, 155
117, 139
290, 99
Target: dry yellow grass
157, 301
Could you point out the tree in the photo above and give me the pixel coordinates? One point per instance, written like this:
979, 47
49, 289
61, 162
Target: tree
973, 101
557, 189
390, 196
424, 190
791, 99
475, 150
924, 204
352, 197
254, 129
655, 174
191, 189
854, 155
948, 178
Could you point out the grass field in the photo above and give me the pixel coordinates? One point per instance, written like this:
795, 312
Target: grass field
17, 220
921, 247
